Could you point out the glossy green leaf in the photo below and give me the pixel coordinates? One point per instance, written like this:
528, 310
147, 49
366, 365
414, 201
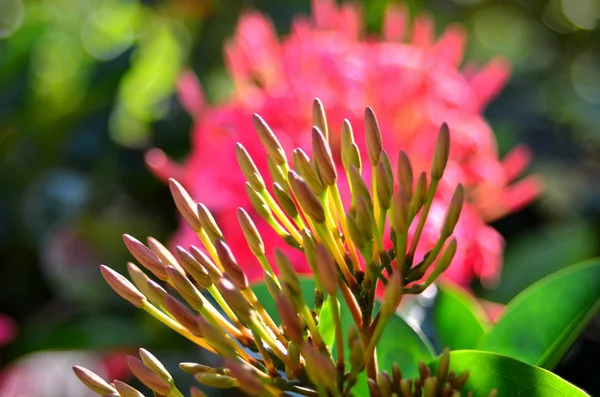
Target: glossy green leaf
459, 320
326, 324
265, 298
542, 322
510, 377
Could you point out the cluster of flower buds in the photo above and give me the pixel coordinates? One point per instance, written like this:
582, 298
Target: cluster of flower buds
345, 249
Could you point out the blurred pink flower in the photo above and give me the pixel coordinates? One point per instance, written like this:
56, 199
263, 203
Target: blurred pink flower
8, 330
412, 84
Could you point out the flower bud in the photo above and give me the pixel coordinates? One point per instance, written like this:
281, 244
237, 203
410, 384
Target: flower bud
287, 272
419, 194
444, 365
182, 315
356, 233
385, 186
258, 202
272, 284
193, 267
208, 222
460, 381
454, 211
248, 168
145, 257
269, 140
385, 384
305, 169
373, 135
93, 381
234, 298
289, 318
230, 265
441, 153
147, 376
185, 205
165, 256
359, 187
217, 338
320, 368
320, 118
251, 233
195, 392
364, 217
276, 172
195, 368
155, 365
216, 380
392, 294
285, 200
123, 287
373, 388
185, 288
138, 277
309, 203
323, 158
125, 390
444, 260
399, 218
245, 375
347, 141
213, 271
327, 270
405, 174
156, 293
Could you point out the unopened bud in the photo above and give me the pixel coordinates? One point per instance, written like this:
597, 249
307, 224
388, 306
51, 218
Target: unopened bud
276, 172
230, 265
138, 277
148, 377
460, 381
359, 187
419, 194
156, 293
323, 158
399, 218
289, 318
245, 375
258, 202
320, 368
272, 284
182, 315
125, 390
216, 380
306, 197
364, 217
185, 288
384, 185
193, 267
165, 256
155, 365
424, 371
305, 169
93, 381
208, 222
251, 233
285, 201
195, 392
396, 376
444, 260
195, 368
145, 257
385, 384
320, 118
441, 153
444, 365
357, 354
122, 286
213, 271
392, 294
234, 298
454, 211
327, 270
185, 205
356, 233
430, 387
405, 174
216, 338
373, 388
347, 141
248, 168
373, 135
287, 272
269, 140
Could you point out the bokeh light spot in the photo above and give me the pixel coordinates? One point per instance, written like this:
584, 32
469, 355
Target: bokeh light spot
56, 58
585, 75
585, 14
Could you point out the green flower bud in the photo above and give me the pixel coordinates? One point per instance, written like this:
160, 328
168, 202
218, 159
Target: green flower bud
269, 140
373, 135
93, 381
123, 287
251, 173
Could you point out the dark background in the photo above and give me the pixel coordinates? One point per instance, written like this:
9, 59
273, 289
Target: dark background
87, 86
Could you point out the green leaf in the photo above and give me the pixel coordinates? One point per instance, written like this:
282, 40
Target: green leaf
510, 377
459, 320
264, 297
326, 324
542, 322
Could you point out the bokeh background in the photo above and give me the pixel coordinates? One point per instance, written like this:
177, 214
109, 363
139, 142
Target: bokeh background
87, 86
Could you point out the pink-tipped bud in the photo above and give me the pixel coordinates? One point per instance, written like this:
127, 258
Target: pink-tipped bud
123, 287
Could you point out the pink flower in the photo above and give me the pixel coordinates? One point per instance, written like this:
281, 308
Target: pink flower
413, 86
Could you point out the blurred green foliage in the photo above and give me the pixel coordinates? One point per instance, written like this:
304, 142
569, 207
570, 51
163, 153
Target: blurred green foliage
86, 86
